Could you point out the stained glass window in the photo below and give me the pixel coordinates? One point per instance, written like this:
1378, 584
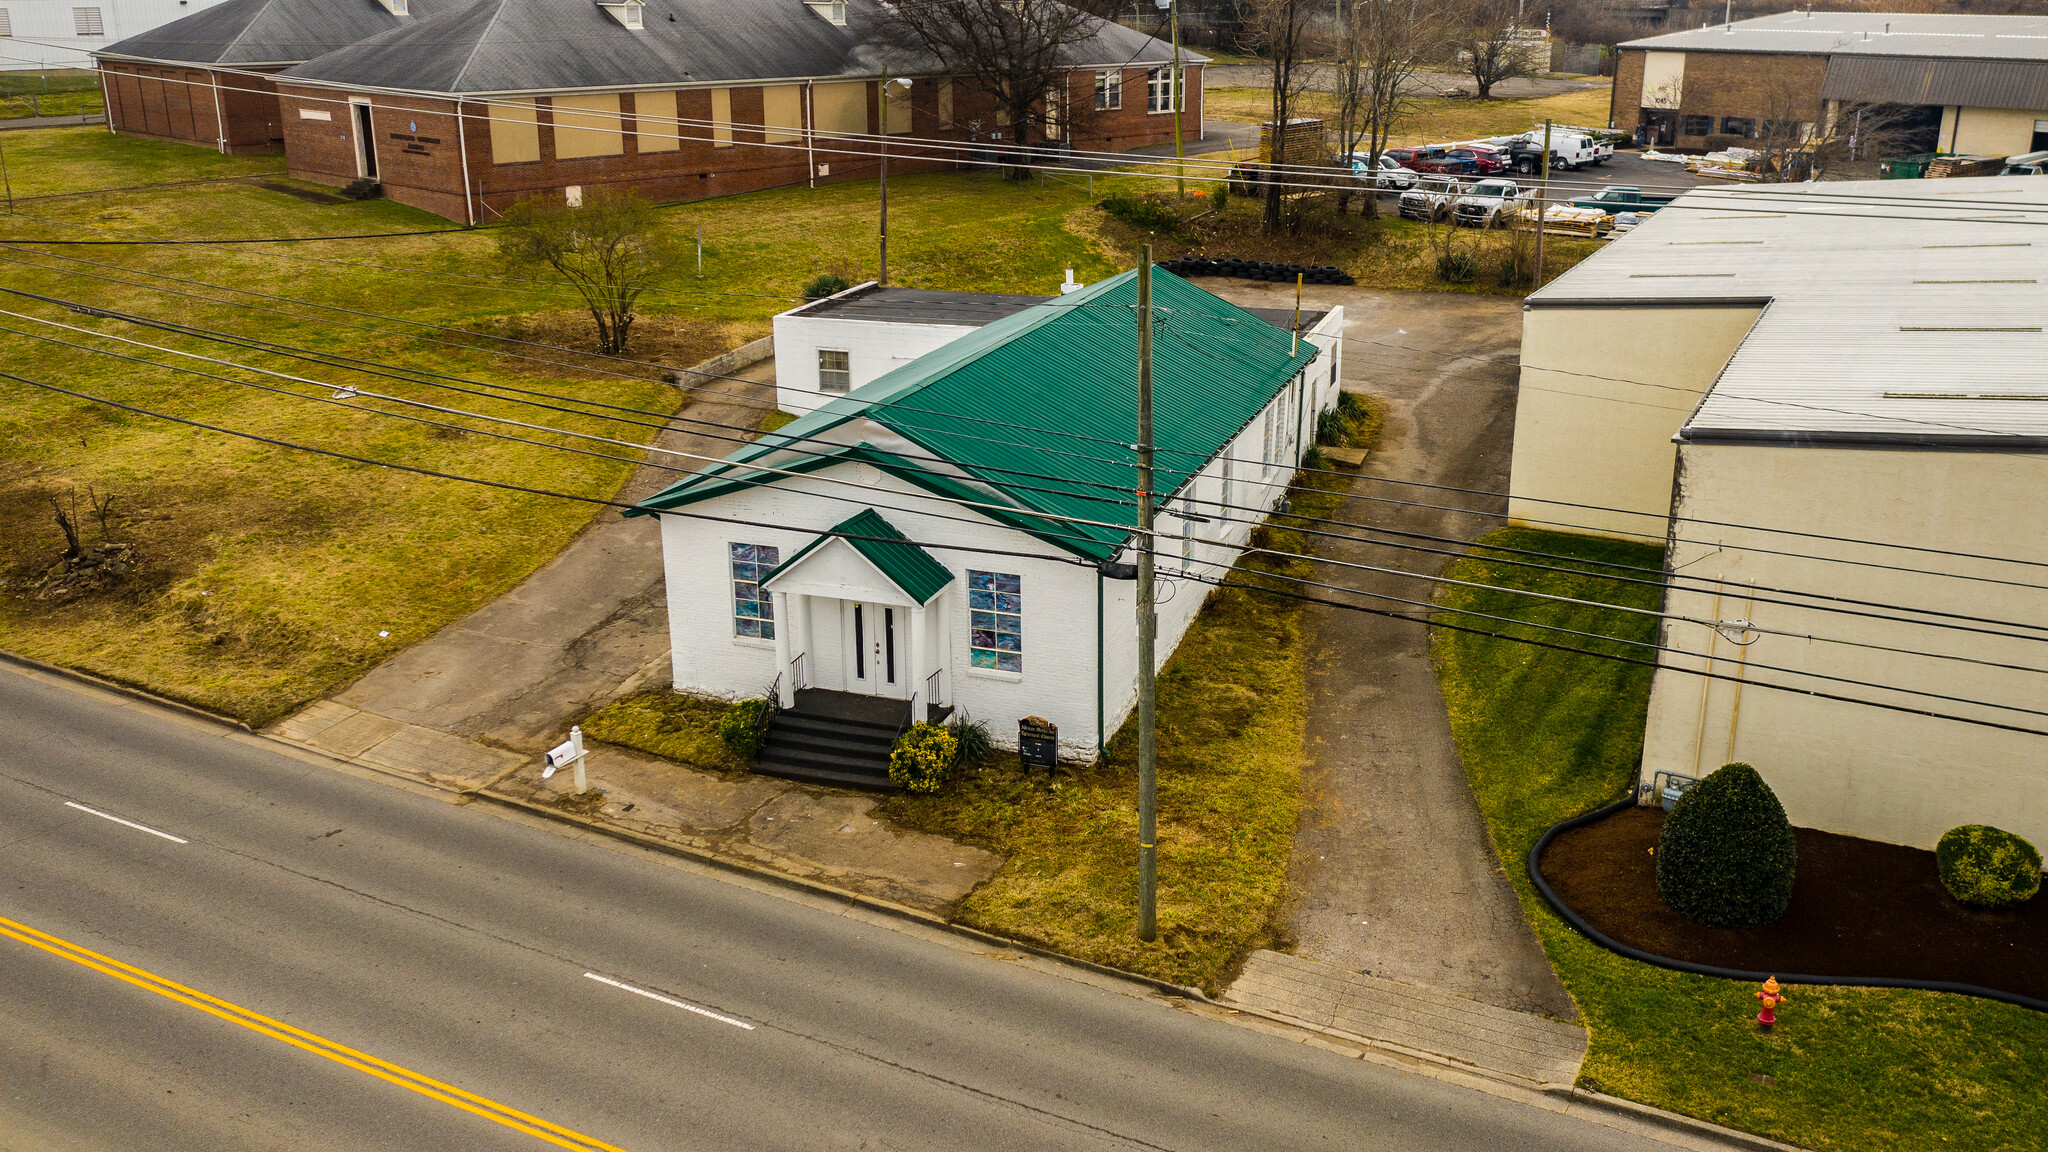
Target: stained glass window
995, 620
753, 611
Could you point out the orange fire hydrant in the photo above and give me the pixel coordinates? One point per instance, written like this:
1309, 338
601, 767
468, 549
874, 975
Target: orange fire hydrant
1771, 998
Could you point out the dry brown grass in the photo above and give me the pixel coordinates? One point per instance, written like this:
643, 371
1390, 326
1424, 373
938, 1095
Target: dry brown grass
1433, 120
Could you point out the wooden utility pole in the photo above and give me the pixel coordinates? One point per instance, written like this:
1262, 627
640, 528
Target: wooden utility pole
883, 277
1180, 159
1148, 625
1542, 199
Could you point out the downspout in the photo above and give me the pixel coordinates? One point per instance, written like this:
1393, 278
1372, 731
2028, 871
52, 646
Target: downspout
220, 120
1100, 720
462, 142
810, 136
106, 98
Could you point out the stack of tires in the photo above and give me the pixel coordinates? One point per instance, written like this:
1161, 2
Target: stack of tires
1259, 270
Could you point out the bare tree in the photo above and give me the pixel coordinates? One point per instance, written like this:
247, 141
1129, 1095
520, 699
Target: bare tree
1488, 45
611, 247
1279, 30
67, 522
1380, 43
1009, 51
1802, 139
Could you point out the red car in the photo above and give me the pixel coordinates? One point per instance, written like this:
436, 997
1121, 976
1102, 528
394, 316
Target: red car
1442, 162
1489, 159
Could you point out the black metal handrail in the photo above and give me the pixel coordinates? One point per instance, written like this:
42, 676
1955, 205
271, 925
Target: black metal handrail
931, 684
909, 710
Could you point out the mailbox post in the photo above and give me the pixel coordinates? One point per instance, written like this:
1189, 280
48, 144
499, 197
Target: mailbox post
569, 751
1038, 744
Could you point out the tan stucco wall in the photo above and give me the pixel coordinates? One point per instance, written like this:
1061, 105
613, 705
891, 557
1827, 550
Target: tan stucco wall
1602, 392
1844, 767
1988, 131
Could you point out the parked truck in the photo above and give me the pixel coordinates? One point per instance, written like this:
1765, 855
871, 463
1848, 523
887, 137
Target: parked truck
1620, 198
1484, 205
1568, 151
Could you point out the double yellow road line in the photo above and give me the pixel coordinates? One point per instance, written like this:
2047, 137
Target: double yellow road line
299, 1038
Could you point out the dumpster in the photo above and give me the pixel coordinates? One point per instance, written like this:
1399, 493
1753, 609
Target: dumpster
1906, 167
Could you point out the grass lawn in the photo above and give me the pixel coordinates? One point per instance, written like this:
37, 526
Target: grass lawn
56, 92
1547, 735
673, 725
1432, 120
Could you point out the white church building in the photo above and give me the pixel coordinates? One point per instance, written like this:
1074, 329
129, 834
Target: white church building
957, 532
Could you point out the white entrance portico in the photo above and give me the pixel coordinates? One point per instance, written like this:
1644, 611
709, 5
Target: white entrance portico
865, 611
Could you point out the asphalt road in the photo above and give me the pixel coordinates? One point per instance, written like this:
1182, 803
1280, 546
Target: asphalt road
435, 940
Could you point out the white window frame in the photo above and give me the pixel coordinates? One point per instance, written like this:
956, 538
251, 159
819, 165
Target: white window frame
843, 386
1109, 90
1159, 91
997, 652
762, 597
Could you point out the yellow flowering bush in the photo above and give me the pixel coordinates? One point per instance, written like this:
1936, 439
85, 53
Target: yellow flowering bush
922, 758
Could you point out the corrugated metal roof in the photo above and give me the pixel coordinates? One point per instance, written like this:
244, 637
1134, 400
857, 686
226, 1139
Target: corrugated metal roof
1060, 381
1899, 310
510, 46
907, 566
1867, 34
270, 31
1967, 83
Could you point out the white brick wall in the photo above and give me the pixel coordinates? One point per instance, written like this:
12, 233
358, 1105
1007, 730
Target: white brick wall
873, 349
1059, 627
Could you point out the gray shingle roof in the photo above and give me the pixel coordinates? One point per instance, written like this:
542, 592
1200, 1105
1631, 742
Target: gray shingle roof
245, 32
508, 46
1867, 34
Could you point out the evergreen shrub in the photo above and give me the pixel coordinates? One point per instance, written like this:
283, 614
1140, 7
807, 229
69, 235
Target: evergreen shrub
825, 285
1727, 854
1988, 867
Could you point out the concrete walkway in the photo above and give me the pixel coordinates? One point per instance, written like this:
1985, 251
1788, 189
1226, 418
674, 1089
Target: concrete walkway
1394, 876
583, 630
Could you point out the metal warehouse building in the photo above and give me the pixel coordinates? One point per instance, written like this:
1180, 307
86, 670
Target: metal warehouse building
1975, 84
1830, 402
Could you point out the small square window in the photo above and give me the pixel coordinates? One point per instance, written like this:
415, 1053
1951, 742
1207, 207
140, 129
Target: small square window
835, 370
87, 22
1696, 126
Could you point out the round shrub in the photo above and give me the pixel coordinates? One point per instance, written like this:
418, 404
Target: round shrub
922, 757
1988, 867
1727, 854
740, 727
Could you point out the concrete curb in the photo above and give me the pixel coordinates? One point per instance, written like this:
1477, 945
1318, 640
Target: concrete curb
1628, 1109
115, 686
1644, 1113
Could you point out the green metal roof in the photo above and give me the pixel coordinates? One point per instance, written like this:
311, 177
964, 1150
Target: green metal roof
1040, 408
905, 564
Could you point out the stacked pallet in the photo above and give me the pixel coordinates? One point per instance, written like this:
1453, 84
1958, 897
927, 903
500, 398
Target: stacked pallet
1567, 220
1942, 166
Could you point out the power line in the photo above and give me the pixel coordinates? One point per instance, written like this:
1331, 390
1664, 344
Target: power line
1068, 560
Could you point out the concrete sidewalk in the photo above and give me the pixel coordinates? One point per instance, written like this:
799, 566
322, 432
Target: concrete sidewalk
587, 628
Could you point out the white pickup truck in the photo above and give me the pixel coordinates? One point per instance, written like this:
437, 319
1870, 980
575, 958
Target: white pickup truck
1484, 205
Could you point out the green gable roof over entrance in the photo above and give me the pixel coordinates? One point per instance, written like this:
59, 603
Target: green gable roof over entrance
905, 564
1039, 410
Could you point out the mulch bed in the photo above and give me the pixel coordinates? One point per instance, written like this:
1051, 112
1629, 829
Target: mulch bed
1859, 909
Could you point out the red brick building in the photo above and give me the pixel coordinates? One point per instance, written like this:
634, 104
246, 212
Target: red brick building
204, 79
465, 114
1974, 84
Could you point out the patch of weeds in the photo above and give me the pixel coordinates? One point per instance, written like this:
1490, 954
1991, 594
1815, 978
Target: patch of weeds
1140, 212
672, 725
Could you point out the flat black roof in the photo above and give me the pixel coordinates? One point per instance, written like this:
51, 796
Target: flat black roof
970, 309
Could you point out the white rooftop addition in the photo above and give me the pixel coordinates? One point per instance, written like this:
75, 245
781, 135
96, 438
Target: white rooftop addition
1867, 34
1896, 311
626, 12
